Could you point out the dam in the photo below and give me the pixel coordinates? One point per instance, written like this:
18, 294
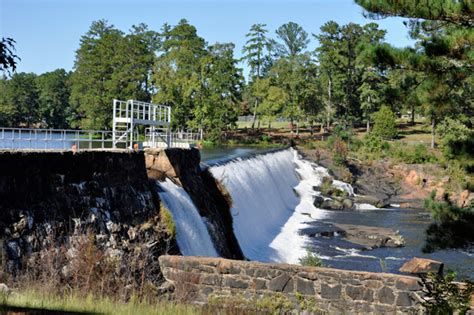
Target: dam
255, 206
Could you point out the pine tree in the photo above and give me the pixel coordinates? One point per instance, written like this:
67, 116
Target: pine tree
257, 54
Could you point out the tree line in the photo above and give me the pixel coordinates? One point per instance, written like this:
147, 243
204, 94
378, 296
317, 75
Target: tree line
351, 74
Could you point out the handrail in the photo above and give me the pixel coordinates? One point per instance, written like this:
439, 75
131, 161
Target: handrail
42, 138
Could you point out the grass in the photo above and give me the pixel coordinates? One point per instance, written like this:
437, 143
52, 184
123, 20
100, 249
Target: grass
38, 300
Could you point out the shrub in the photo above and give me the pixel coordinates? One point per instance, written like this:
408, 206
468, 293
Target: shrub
417, 154
327, 189
340, 152
375, 144
453, 226
455, 137
311, 259
444, 296
385, 123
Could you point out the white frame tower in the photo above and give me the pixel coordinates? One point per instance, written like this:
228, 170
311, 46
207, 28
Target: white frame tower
128, 115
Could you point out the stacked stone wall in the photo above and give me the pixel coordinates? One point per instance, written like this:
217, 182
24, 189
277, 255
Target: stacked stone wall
206, 280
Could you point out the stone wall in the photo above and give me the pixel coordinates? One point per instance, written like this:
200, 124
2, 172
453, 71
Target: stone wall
48, 198
322, 289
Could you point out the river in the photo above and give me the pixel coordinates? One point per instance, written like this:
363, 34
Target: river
334, 252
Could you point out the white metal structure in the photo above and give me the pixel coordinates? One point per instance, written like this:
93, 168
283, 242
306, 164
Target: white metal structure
32, 138
129, 115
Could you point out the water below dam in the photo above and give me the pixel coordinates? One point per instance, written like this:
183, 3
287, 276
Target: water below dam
272, 210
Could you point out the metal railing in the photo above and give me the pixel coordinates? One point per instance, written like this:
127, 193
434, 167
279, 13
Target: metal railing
32, 138
177, 139
138, 110
67, 139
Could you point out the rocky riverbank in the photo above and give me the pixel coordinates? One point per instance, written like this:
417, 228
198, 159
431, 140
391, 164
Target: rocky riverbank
382, 183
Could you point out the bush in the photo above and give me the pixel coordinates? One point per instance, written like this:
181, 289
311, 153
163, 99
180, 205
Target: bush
444, 296
340, 151
417, 154
374, 144
385, 123
453, 226
456, 138
311, 259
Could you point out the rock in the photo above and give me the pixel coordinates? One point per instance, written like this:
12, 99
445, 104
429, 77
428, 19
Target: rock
330, 204
347, 204
371, 236
422, 265
372, 200
465, 199
318, 201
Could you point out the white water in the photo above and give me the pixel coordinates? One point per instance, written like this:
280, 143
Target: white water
272, 199
192, 235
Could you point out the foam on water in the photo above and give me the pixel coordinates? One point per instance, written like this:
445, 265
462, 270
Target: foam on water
272, 197
192, 234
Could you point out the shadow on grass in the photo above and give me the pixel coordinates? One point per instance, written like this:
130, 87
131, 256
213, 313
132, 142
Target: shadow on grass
5, 309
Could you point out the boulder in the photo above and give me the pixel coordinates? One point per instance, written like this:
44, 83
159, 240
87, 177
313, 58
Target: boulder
330, 204
348, 204
318, 201
422, 266
370, 236
372, 200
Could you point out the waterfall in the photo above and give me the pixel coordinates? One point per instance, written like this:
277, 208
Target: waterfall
192, 234
272, 199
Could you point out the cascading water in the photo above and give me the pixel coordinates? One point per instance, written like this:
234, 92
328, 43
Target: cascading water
192, 234
274, 217
272, 200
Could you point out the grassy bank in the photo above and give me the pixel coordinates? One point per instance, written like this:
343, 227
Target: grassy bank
36, 299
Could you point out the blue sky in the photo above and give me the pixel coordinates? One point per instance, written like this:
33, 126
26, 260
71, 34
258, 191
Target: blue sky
48, 31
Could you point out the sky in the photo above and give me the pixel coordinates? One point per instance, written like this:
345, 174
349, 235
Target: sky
47, 32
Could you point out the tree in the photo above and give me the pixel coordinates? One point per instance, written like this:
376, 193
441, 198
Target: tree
53, 98
294, 38
110, 65
457, 12
220, 92
19, 100
176, 74
444, 34
257, 54
343, 54
385, 125
8, 59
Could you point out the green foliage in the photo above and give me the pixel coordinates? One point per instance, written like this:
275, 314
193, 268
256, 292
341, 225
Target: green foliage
459, 12
19, 105
385, 123
111, 65
91, 304
276, 303
453, 226
374, 144
412, 154
257, 49
54, 93
168, 221
8, 59
310, 259
445, 296
294, 38
456, 138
